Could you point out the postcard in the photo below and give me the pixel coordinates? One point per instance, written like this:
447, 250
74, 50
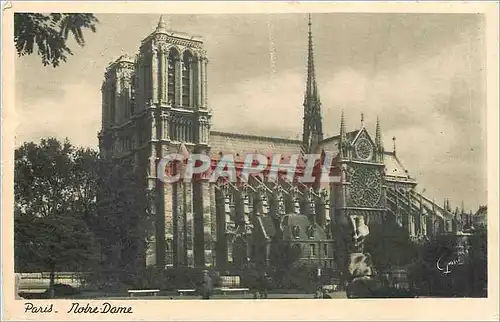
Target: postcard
250, 161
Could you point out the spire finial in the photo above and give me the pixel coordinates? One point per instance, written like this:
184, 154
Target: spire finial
362, 119
311, 88
342, 125
394, 145
162, 26
343, 138
378, 135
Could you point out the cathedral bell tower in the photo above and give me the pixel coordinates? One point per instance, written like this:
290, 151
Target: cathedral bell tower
313, 127
117, 107
173, 117
172, 86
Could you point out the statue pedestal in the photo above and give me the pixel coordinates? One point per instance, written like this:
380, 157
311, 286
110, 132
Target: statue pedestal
360, 265
361, 282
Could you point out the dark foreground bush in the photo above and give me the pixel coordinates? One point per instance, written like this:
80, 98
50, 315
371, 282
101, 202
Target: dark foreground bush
62, 290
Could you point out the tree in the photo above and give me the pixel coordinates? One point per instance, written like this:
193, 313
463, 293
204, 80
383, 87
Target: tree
54, 195
49, 34
124, 225
284, 255
390, 246
479, 262
284, 260
55, 243
84, 174
467, 273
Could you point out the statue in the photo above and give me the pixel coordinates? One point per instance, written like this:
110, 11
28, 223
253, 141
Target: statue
296, 206
343, 173
264, 203
360, 267
281, 205
153, 126
227, 207
360, 232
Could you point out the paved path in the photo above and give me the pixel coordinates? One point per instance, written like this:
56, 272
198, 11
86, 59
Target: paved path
335, 295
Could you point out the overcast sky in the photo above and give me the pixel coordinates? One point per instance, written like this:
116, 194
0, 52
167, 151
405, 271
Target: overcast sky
422, 74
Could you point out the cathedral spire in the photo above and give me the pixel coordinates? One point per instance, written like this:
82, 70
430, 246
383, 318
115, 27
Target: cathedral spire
313, 128
311, 87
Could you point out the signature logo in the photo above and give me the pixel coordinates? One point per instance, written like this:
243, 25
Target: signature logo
444, 266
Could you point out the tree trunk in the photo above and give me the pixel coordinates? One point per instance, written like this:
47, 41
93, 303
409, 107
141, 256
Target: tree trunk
52, 281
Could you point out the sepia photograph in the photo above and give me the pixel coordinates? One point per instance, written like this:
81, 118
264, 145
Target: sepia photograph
307, 155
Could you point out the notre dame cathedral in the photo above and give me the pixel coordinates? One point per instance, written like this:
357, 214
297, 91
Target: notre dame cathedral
155, 104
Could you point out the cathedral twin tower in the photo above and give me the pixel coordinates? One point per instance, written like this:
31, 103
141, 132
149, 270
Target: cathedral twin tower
151, 105
160, 96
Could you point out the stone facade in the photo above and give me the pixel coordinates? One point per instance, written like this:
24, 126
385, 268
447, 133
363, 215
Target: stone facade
153, 105
156, 103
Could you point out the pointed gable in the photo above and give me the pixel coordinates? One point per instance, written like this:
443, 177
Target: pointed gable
361, 134
363, 145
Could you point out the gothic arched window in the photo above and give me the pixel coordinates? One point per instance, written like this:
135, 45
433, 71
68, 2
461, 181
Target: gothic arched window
173, 59
112, 104
187, 60
123, 100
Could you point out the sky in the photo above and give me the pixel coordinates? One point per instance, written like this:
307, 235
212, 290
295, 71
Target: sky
421, 74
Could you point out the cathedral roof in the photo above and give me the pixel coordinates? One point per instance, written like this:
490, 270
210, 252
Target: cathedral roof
350, 136
331, 144
394, 168
241, 144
